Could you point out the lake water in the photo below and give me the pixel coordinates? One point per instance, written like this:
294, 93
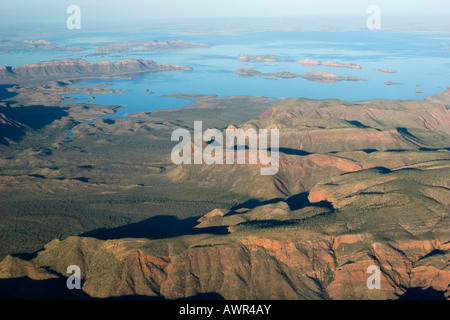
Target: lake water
422, 61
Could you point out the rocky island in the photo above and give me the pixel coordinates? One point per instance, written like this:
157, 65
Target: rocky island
307, 62
387, 70
318, 76
391, 83
260, 58
250, 72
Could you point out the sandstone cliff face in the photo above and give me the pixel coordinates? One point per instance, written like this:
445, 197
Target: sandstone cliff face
304, 266
277, 250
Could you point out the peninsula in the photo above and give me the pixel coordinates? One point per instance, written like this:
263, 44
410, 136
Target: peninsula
73, 69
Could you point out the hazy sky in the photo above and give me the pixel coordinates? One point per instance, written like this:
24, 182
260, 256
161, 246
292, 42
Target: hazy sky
22, 11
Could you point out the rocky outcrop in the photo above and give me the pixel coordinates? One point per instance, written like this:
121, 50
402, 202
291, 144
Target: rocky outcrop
305, 266
387, 70
391, 83
320, 76
249, 72
314, 63
259, 58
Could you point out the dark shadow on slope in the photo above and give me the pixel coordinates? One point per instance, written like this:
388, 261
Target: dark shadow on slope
382, 170
158, 227
418, 293
109, 121
408, 136
435, 252
300, 201
205, 296
269, 223
198, 296
10, 132
130, 297
251, 204
26, 256
4, 93
399, 150
295, 152
39, 176
361, 125
368, 151
24, 288
295, 202
405, 131
35, 117
379, 169
358, 124
408, 169
309, 222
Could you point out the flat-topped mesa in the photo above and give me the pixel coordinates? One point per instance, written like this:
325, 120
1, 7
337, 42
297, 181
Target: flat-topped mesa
307, 62
72, 69
387, 70
259, 58
146, 46
320, 76
392, 83
250, 72
35, 45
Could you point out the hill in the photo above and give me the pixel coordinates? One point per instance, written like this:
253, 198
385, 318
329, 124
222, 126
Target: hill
360, 184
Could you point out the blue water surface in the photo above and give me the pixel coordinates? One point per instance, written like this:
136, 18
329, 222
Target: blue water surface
422, 61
